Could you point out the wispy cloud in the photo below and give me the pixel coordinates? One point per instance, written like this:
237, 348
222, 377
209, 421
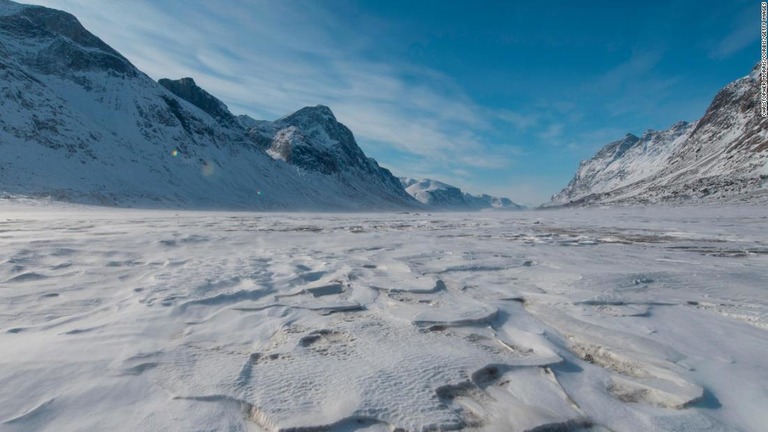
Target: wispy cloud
268, 59
745, 30
633, 88
637, 67
552, 132
472, 111
519, 120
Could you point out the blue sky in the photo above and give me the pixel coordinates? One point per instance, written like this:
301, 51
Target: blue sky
501, 97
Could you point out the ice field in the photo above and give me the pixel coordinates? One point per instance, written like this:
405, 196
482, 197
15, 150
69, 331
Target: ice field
627, 319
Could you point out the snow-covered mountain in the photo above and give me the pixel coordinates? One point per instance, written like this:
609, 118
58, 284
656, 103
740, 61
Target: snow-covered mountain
442, 196
313, 140
79, 122
722, 156
624, 162
187, 89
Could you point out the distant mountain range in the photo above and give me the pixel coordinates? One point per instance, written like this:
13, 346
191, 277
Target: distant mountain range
721, 157
439, 195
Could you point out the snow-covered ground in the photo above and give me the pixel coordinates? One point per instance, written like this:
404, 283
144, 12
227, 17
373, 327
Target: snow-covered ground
586, 319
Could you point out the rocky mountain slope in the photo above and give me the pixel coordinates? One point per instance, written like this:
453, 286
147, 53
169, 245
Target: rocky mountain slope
79, 122
187, 89
313, 140
438, 195
721, 157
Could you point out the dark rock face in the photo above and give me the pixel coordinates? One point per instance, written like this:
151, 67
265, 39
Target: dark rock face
186, 89
722, 157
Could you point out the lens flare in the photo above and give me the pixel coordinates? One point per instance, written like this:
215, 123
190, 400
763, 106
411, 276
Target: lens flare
207, 169
174, 152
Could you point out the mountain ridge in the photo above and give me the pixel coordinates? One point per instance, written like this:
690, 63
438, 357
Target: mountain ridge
81, 123
442, 196
187, 89
723, 156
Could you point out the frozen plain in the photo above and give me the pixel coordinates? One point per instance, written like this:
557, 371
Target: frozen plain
626, 319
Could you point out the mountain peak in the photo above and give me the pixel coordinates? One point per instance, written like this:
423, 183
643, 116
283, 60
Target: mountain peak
439, 195
187, 81
40, 21
754, 74
314, 114
677, 129
616, 149
629, 140
312, 139
321, 109
317, 108
187, 89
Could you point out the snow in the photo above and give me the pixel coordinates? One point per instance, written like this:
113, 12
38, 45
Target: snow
636, 160
314, 121
442, 196
630, 319
721, 157
423, 190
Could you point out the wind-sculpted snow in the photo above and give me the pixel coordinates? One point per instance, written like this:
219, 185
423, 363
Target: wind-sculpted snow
575, 320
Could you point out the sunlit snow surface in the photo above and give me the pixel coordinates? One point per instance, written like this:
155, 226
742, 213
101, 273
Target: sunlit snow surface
599, 319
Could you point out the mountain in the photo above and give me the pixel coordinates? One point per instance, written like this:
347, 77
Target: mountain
187, 89
441, 196
624, 162
313, 140
721, 157
79, 122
